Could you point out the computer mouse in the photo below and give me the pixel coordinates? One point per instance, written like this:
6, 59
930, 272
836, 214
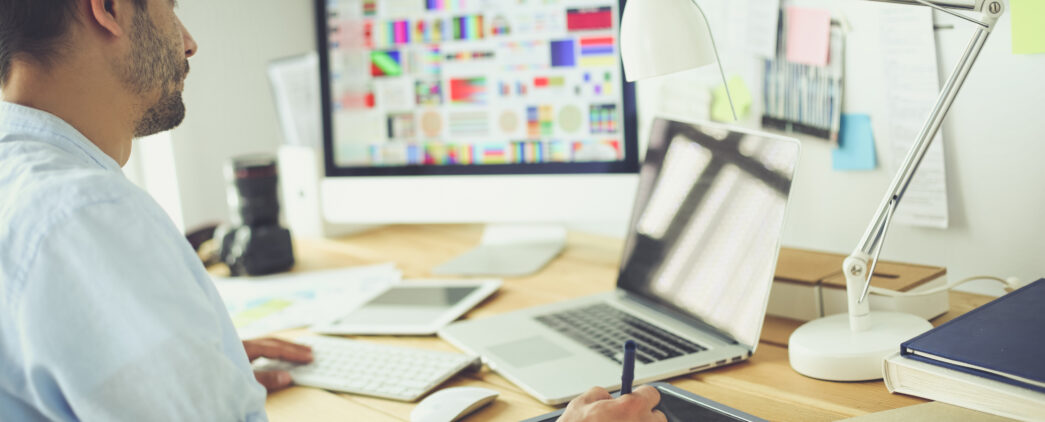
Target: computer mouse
451, 404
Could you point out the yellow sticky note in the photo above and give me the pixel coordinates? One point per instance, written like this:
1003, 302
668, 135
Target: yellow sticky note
720, 103
1028, 26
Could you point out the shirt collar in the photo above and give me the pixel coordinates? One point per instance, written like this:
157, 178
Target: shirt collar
21, 120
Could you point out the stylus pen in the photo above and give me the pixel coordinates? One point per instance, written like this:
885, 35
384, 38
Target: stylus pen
628, 375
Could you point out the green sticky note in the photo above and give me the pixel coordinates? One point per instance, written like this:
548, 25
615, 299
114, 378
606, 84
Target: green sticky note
1028, 26
855, 144
720, 102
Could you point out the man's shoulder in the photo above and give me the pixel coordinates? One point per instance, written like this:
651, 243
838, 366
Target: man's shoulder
41, 186
39, 180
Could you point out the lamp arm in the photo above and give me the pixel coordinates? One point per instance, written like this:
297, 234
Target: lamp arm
855, 267
718, 59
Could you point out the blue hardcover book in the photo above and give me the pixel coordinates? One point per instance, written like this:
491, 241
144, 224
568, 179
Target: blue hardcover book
1003, 340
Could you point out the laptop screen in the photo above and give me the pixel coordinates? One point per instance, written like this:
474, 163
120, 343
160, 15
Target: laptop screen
706, 224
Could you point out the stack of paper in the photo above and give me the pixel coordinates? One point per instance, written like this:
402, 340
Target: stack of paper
262, 305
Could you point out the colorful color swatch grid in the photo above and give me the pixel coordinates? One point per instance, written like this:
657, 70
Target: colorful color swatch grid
589, 19
401, 126
500, 26
466, 28
603, 118
597, 84
494, 154
597, 52
438, 5
514, 152
476, 82
468, 91
529, 151
516, 88
427, 62
429, 93
559, 152
469, 124
385, 63
356, 99
540, 121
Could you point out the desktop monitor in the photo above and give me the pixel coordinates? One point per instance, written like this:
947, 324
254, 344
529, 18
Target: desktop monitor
489, 111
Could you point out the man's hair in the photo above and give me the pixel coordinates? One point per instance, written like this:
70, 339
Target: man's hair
35, 30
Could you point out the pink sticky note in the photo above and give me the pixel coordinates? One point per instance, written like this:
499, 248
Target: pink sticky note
808, 35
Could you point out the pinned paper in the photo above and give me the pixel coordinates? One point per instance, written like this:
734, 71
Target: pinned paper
1028, 30
808, 35
720, 110
855, 144
763, 20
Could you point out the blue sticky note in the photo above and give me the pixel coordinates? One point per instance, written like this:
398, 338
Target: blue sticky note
855, 144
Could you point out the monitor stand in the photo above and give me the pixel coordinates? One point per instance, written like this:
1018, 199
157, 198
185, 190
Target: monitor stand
509, 250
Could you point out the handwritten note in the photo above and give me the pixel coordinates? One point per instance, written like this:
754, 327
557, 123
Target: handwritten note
855, 144
808, 35
1028, 26
763, 18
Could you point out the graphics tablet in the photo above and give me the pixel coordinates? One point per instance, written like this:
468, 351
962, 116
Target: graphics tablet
412, 308
679, 406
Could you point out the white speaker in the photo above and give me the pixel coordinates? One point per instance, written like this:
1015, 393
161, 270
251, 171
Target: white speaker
300, 170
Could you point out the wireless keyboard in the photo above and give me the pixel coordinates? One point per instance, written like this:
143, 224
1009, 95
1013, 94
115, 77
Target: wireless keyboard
359, 367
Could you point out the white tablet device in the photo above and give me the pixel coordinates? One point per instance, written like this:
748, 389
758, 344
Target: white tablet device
412, 308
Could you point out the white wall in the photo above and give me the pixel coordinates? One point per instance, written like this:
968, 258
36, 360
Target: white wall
995, 141
229, 101
994, 137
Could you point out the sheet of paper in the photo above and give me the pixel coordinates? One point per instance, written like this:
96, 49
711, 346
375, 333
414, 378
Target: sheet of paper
295, 86
1028, 26
762, 21
855, 144
262, 305
808, 35
720, 110
911, 87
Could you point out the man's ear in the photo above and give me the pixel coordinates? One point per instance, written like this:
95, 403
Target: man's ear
104, 13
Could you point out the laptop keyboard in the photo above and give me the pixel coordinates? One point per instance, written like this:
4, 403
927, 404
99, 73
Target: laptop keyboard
604, 329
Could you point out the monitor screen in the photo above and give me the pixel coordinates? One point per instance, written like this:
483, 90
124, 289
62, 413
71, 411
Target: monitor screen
708, 217
449, 87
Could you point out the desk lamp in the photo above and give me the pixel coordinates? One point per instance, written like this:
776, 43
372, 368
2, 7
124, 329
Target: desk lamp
851, 347
664, 36
659, 37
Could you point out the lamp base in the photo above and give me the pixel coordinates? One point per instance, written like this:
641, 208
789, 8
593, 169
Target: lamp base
827, 349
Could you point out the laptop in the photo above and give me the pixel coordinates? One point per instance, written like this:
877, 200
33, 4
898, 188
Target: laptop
694, 278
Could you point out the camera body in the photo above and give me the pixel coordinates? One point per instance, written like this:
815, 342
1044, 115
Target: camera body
254, 243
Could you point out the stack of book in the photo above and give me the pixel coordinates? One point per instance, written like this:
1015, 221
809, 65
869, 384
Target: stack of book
990, 359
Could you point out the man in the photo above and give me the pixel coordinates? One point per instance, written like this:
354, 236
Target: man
107, 314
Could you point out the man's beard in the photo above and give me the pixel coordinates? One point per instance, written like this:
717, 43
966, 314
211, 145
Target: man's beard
154, 64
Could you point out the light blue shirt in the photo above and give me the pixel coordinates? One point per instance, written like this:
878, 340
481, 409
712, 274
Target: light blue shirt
106, 313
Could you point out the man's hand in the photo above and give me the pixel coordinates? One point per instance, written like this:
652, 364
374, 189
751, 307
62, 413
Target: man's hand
276, 349
598, 405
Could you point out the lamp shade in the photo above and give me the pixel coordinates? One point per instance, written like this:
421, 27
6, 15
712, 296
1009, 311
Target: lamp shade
658, 37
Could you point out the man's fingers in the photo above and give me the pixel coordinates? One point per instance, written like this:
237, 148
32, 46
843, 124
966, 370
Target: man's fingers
278, 349
593, 395
649, 395
640, 403
273, 380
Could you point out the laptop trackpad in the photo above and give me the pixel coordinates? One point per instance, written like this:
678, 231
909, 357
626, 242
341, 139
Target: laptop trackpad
529, 351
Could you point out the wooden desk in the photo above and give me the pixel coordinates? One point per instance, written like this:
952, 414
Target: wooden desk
765, 385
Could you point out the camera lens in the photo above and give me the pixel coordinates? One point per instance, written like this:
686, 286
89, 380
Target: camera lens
252, 192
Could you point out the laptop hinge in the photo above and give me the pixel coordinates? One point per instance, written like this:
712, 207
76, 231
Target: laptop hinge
673, 313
